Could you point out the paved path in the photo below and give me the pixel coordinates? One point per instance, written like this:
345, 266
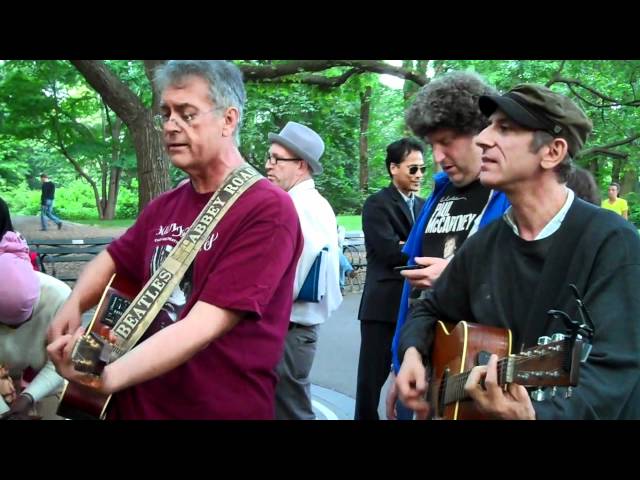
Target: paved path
335, 368
29, 227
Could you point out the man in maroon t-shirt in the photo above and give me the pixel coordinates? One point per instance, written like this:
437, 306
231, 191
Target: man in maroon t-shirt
211, 351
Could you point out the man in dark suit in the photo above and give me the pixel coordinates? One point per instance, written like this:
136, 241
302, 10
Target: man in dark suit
387, 218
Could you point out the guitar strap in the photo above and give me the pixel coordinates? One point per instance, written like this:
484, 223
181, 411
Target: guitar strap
139, 315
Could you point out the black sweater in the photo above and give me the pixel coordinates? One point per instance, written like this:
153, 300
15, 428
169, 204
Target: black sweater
498, 279
48, 191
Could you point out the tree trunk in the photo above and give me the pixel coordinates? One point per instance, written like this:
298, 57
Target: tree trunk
153, 164
152, 161
409, 89
150, 67
114, 186
365, 110
111, 198
629, 181
616, 170
103, 184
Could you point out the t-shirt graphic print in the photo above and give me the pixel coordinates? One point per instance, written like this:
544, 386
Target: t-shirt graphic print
453, 218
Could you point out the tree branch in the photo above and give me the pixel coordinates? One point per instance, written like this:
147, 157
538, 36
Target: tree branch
588, 102
150, 67
114, 92
260, 73
607, 149
604, 151
319, 80
556, 74
60, 142
574, 82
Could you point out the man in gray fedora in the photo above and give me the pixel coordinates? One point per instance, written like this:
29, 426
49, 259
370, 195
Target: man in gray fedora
293, 158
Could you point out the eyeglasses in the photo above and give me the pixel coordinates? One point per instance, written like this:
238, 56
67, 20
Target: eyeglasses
159, 121
413, 169
273, 160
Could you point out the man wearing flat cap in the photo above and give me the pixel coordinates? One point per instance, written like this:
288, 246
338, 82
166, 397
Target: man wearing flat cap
513, 272
292, 161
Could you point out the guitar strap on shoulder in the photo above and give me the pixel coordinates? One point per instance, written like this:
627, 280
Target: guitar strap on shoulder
143, 309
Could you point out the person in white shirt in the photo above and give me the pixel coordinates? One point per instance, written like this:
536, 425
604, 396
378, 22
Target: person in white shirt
293, 158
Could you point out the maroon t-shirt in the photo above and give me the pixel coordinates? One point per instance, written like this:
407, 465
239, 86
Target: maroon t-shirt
247, 264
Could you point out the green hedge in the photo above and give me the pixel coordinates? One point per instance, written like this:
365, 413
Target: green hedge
72, 201
633, 199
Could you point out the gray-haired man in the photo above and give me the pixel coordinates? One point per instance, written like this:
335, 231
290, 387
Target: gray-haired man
214, 359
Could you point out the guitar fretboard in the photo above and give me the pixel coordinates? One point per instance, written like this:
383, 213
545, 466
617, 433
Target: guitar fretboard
512, 369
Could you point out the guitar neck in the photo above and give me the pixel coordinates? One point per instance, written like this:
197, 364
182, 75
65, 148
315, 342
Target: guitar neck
454, 391
540, 366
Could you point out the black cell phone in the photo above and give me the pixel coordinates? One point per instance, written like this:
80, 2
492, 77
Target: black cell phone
407, 267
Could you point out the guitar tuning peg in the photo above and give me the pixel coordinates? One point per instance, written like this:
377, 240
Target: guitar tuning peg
568, 393
556, 337
554, 390
544, 340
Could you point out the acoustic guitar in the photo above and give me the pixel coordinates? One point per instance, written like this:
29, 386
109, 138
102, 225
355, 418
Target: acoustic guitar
553, 363
79, 402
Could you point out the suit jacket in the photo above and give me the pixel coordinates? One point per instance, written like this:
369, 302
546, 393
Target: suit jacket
386, 221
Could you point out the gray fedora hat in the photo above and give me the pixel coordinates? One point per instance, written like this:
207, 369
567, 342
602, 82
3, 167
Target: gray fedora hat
303, 142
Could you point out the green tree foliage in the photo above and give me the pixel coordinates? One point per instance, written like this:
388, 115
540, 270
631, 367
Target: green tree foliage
607, 90
52, 120
50, 114
14, 168
74, 201
335, 115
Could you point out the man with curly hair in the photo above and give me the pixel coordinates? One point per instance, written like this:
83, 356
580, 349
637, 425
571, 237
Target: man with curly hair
545, 247
446, 115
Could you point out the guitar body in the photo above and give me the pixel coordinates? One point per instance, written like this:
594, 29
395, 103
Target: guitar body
457, 350
79, 402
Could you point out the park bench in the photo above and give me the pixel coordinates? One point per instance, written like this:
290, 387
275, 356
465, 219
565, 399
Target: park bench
353, 248
54, 252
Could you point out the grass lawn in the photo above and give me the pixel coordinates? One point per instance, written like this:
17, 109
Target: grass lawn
106, 223
350, 222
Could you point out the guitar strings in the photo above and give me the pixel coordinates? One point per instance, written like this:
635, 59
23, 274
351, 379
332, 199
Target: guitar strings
455, 384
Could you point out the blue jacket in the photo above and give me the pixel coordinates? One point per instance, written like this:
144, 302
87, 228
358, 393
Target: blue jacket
413, 248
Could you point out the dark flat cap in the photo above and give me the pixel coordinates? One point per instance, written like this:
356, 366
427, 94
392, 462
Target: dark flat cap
539, 108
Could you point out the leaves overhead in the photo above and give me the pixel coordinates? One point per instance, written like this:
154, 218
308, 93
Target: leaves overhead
48, 105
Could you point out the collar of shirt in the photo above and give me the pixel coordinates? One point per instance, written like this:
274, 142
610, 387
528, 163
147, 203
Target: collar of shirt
307, 184
551, 227
406, 198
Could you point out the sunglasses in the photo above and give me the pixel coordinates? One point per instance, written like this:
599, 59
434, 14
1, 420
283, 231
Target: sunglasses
414, 169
